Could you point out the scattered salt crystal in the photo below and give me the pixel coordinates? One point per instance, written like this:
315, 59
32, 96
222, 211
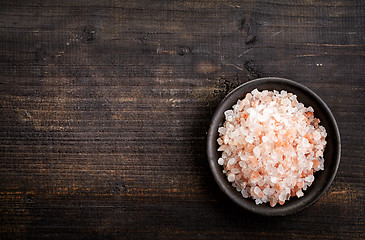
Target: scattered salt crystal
220, 161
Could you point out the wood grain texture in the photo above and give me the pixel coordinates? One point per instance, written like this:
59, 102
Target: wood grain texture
104, 108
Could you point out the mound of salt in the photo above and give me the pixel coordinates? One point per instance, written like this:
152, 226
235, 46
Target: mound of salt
271, 145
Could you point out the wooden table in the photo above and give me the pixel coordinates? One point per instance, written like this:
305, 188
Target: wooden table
105, 105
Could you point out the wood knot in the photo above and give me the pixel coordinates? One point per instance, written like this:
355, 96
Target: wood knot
248, 28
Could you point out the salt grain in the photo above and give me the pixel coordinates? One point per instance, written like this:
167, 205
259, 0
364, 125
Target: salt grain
231, 177
256, 152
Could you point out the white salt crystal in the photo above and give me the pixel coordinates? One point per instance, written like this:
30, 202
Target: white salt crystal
282, 196
222, 147
244, 193
300, 193
257, 190
309, 178
300, 106
231, 177
258, 201
256, 152
220, 161
319, 154
222, 130
281, 169
274, 179
262, 117
232, 161
242, 164
228, 113
249, 139
285, 102
316, 136
255, 92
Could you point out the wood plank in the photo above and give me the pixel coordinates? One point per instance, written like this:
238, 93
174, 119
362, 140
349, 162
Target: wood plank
105, 105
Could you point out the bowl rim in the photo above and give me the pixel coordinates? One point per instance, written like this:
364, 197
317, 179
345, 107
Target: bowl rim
216, 169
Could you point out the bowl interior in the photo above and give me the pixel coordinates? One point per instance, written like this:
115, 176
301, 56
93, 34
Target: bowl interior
322, 180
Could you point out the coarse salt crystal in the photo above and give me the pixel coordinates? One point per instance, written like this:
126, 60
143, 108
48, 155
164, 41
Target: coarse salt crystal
249, 139
310, 178
274, 179
257, 190
256, 152
244, 193
231, 161
255, 92
300, 193
231, 177
281, 169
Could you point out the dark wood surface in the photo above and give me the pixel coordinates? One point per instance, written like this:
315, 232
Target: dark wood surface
104, 108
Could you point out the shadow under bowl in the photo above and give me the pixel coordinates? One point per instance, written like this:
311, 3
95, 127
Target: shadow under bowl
323, 179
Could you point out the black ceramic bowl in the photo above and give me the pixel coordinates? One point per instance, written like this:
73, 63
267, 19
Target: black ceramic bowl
323, 179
